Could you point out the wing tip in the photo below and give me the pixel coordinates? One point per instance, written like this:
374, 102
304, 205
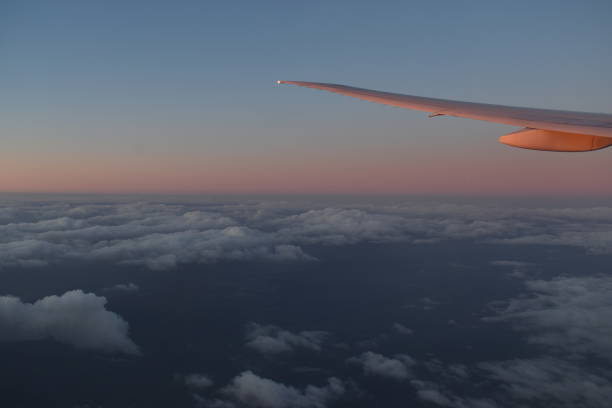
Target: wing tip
301, 83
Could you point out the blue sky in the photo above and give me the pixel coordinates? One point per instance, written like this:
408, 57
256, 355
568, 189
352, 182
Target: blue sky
196, 78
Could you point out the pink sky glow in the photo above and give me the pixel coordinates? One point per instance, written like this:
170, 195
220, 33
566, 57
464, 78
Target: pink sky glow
511, 172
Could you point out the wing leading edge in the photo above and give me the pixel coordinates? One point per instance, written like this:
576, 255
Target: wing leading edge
544, 129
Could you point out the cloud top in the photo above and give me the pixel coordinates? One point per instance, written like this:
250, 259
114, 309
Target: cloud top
254, 391
164, 236
76, 318
270, 339
396, 368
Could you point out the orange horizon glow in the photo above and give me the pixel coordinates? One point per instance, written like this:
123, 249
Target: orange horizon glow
371, 172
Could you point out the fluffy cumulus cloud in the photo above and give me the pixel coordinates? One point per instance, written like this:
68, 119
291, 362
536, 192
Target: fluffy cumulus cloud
570, 321
152, 235
270, 339
396, 367
254, 391
75, 318
570, 315
543, 381
162, 236
551, 381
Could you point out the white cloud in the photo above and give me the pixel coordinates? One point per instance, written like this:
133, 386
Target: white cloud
270, 339
254, 391
163, 236
572, 319
598, 242
550, 381
434, 393
400, 328
164, 251
339, 226
397, 368
198, 381
435, 396
124, 287
151, 235
76, 318
571, 315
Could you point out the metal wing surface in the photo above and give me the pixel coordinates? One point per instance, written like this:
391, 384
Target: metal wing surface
544, 129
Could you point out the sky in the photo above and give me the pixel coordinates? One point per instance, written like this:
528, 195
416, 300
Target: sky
180, 97
250, 245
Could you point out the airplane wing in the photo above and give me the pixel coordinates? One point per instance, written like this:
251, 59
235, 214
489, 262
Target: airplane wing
543, 129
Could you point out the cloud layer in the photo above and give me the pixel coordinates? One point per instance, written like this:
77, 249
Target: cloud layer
565, 321
162, 236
